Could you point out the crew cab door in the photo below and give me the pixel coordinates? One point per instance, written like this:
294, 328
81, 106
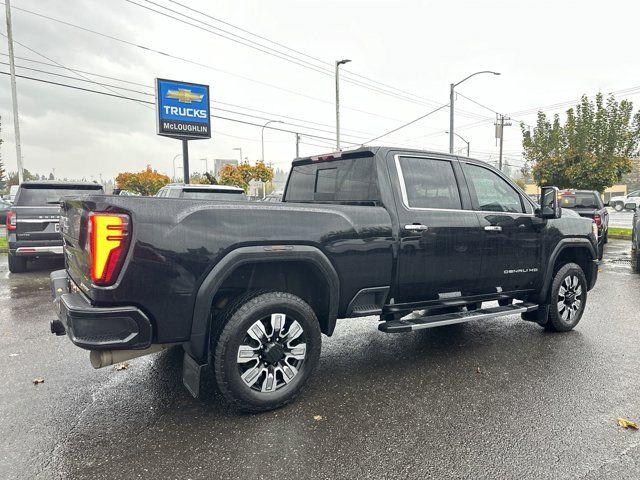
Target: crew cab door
512, 236
439, 254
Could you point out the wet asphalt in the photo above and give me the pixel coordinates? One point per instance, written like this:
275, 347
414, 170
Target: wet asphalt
489, 399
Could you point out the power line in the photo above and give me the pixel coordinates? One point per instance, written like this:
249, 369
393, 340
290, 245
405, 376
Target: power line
345, 71
124, 97
192, 62
151, 88
407, 124
268, 50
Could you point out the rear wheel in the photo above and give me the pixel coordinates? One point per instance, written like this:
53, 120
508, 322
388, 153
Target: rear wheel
618, 206
635, 260
17, 264
265, 348
568, 298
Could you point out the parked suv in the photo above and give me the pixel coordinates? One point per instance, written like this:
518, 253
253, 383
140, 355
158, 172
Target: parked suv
618, 203
202, 192
634, 205
589, 204
417, 239
32, 222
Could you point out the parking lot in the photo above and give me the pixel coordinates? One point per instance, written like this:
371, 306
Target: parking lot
489, 399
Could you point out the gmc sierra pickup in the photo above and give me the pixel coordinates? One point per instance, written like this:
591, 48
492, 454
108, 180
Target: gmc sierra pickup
419, 239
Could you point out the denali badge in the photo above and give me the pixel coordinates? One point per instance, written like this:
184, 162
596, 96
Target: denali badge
521, 270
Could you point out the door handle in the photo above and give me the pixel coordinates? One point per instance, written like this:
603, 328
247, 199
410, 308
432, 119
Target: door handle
416, 227
493, 228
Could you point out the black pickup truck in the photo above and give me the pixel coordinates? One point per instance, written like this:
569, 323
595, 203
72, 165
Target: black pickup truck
419, 239
32, 222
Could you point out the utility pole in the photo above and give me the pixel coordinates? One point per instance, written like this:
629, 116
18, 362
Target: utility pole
338, 63
297, 145
14, 92
500, 124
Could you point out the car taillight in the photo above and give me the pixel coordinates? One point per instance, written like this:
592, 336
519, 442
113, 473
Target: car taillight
598, 219
108, 242
594, 230
12, 220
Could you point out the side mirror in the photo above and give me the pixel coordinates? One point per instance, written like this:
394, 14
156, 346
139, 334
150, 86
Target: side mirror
549, 203
631, 206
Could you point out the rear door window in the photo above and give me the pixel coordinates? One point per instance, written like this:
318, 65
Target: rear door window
429, 183
40, 195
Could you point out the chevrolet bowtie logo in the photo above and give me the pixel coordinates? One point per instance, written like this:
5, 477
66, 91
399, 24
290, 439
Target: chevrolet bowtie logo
184, 95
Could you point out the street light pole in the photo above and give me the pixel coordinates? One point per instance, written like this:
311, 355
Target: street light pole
463, 139
14, 92
451, 103
270, 121
174, 165
338, 63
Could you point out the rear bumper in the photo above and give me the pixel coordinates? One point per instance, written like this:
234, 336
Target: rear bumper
38, 251
97, 328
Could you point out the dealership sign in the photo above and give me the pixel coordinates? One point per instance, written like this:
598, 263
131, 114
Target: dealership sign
182, 109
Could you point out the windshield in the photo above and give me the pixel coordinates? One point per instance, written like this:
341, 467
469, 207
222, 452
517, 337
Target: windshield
45, 195
201, 194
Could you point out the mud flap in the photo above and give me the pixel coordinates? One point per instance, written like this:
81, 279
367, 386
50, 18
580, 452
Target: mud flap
192, 375
540, 316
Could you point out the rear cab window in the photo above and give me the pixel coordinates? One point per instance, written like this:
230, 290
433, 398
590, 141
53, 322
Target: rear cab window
213, 194
342, 180
41, 195
580, 200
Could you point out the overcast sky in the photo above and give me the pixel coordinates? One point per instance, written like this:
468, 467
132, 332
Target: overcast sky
547, 52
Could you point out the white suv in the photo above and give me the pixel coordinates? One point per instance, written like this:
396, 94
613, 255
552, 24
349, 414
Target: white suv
618, 202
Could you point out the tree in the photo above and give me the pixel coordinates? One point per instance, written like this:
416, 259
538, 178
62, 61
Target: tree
147, 182
592, 150
242, 174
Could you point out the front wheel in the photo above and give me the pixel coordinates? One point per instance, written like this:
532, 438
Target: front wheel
265, 347
568, 298
618, 207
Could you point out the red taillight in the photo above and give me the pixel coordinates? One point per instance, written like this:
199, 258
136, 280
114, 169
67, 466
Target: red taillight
108, 242
11, 220
598, 219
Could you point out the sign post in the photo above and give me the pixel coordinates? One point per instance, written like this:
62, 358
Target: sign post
182, 112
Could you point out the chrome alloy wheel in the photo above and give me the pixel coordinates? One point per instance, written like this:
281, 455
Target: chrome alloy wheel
569, 298
272, 353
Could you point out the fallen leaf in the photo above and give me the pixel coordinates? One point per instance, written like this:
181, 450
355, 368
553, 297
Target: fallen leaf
318, 418
122, 366
37, 381
478, 370
624, 423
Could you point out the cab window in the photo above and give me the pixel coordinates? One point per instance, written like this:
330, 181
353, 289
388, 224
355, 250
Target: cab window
429, 183
490, 192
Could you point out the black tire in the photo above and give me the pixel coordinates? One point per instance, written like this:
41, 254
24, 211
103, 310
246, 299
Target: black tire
618, 206
635, 261
17, 264
231, 332
605, 238
571, 279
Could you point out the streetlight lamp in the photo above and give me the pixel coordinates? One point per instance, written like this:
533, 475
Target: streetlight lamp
174, 165
451, 100
270, 121
462, 138
338, 63
240, 150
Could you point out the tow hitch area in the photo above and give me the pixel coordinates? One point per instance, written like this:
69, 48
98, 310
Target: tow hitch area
57, 328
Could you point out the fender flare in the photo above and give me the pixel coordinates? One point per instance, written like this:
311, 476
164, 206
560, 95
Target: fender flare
563, 245
199, 339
